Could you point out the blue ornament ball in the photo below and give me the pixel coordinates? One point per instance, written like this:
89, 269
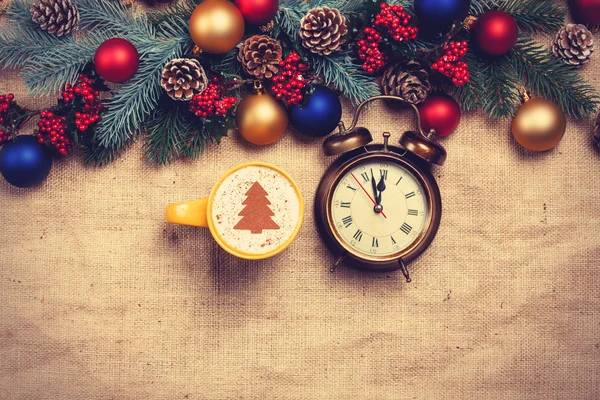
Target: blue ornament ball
24, 162
320, 115
437, 15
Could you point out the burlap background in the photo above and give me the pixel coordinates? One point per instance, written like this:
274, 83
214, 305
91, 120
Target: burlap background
100, 299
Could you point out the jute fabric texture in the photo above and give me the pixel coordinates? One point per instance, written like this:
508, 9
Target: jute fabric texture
100, 299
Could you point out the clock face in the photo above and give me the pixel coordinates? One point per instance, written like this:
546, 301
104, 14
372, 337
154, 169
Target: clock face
378, 208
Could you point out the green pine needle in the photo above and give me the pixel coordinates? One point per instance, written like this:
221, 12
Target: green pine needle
533, 16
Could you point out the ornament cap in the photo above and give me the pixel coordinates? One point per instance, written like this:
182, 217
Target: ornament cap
342, 143
424, 148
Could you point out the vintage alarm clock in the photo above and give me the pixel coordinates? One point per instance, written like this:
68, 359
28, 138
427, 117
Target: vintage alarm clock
378, 206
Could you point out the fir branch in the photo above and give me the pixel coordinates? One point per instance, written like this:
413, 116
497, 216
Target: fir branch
47, 72
18, 44
472, 94
166, 130
533, 16
195, 143
550, 78
180, 9
134, 102
342, 73
113, 16
228, 64
500, 97
19, 13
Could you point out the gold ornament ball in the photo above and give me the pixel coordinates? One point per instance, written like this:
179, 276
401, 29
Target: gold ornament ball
539, 124
261, 119
216, 26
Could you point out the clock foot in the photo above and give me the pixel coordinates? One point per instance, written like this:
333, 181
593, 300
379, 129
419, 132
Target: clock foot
338, 262
404, 270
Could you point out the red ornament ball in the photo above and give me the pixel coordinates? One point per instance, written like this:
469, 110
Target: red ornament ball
258, 12
441, 113
117, 60
585, 11
496, 33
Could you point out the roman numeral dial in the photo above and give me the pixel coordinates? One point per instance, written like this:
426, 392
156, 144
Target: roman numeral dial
361, 230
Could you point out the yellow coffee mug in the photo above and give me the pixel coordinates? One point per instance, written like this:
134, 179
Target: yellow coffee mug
254, 211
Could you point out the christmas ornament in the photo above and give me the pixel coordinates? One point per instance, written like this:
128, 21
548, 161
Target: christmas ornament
378, 206
259, 118
574, 44
211, 102
451, 63
585, 11
437, 15
539, 124
116, 60
59, 17
440, 113
407, 80
496, 33
254, 212
257, 12
182, 78
260, 56
289, 83
24, 162
319, 115
322, 30
216, 26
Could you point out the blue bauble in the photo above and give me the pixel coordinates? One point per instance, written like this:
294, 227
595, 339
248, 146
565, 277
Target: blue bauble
436, 15
320, 115
25, 162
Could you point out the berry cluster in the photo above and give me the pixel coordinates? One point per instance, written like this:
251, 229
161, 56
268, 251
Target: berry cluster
211, 102
395, 21
4, 136
370, 53
5, 105
289, 83
52, 128
89, 97
451, 63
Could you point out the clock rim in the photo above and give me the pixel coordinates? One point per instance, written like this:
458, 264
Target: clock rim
326, 188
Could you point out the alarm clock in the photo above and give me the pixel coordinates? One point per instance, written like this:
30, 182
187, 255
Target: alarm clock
378, 206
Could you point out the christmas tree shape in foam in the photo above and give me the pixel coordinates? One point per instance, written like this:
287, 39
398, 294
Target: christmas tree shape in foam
256, 216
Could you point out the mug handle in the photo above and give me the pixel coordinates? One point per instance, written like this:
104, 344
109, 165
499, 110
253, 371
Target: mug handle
192, 213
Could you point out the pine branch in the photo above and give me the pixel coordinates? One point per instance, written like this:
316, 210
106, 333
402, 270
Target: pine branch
47, 72
166, 131
289, 16
19, 13
533, 16
134, 102
471, 95
550, 78
113, 16
343, 74
501, 92
18, 44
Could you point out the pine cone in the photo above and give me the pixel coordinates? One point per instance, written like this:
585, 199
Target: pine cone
574, 44
322, 30
182, 78
59, 17
407, 80
260, 56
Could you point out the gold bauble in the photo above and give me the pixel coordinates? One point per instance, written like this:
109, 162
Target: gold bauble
216, 26
539, 124
261, 119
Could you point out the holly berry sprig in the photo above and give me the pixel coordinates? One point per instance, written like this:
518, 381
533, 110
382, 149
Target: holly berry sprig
451, 63
393, 23
290, 83
212, 101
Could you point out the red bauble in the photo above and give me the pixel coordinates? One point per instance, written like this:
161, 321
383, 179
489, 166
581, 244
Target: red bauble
117, 60
585, 11
441, 113
258, 12
496, 33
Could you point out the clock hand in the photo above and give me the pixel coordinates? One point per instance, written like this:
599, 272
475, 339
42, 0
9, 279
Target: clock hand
374, 186
380, 188
367, 193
